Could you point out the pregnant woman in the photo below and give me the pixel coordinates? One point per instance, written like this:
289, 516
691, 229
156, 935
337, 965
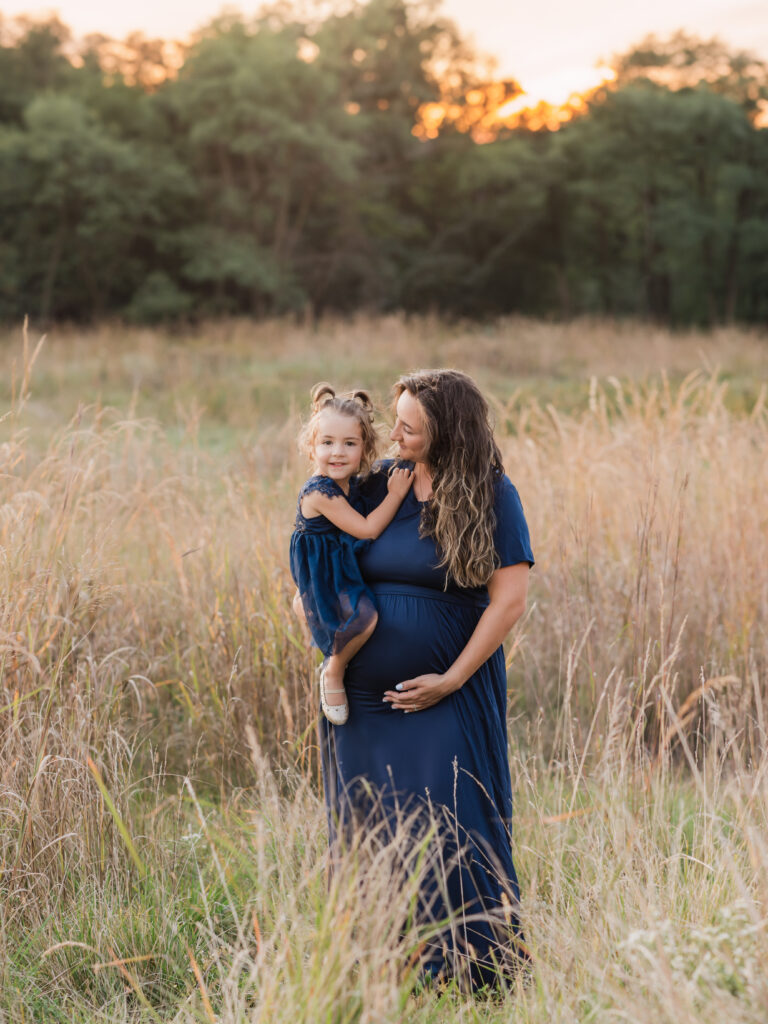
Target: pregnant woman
426, 734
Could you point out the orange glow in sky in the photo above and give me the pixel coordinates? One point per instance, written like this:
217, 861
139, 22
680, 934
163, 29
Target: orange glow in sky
551, 47
556, 90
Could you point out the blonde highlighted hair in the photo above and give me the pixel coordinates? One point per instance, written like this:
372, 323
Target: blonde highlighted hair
465, 463
357, 405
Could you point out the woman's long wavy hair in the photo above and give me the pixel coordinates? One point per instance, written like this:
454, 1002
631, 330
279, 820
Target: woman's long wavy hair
465, 462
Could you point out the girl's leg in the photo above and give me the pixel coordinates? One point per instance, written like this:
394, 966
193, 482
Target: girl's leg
337, 665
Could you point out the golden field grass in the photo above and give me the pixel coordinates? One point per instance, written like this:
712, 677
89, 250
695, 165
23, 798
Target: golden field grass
162, 841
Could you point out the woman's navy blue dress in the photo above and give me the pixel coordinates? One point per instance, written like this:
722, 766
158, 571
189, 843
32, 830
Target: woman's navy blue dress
449, 761
324, 564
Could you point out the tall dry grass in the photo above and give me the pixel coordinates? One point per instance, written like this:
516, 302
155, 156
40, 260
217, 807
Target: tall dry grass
146, 639
233, 379
651, 522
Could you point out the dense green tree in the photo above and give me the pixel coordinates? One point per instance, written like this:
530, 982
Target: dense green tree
265, 135
481, 207
653, 184
389, 59
289, 166
78, 201
33, 59
683, 61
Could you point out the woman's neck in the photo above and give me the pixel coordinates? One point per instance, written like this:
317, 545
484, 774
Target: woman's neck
422, 481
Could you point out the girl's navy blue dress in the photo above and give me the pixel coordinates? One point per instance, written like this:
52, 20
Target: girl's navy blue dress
337, 603
447, 763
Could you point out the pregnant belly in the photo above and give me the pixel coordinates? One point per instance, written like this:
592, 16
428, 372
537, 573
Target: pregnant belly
418, 631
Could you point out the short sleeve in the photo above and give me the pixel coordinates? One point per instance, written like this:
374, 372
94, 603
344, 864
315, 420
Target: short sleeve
511, 538
324, 485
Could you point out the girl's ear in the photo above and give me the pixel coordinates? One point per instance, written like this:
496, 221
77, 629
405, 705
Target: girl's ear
364, 399
321, 394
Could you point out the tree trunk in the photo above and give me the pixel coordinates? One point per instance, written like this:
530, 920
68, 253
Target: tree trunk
657, 284
46, 299
732, 256
707, 256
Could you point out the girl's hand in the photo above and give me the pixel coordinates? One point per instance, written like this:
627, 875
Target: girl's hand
399, 481
420, 693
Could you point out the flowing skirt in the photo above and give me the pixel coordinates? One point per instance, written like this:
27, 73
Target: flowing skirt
446, 765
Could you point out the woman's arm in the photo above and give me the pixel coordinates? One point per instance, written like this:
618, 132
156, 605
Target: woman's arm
507, 589
341, 513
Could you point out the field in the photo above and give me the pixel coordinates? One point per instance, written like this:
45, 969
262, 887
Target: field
162, 839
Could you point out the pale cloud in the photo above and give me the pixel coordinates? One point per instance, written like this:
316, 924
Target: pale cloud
547, 44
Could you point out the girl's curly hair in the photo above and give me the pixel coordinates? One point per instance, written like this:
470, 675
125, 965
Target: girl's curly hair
356, 404
466, 463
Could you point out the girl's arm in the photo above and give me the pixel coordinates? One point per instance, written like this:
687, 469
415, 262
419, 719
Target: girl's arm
341, 513
507, 589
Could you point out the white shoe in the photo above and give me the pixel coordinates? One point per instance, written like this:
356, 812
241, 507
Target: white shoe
337, 714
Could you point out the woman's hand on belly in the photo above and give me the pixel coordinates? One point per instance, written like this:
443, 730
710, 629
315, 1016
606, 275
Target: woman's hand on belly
507, 589
420, 693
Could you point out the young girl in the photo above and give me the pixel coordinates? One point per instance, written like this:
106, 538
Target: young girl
340, 438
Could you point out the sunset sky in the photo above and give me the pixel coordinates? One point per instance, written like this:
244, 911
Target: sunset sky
550, 46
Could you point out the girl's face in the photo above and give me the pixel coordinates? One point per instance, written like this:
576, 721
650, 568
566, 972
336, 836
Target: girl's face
410, 429
338, 447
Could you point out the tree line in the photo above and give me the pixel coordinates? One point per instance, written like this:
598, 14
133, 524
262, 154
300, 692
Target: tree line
281, 164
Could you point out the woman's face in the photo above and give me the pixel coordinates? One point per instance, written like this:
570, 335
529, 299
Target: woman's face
410, 429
